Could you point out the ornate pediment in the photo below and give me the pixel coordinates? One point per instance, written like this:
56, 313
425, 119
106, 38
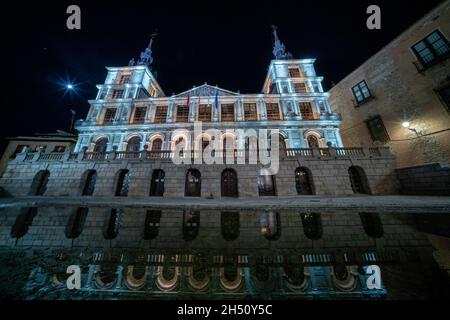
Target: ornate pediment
206, 91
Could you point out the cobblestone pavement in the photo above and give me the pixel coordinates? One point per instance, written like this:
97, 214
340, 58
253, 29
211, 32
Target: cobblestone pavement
375, 203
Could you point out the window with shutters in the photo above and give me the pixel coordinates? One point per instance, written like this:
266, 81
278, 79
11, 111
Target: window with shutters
139, 115
250, 113
300, 87
182, 114
204, 113
273, 111
306, 111
161, 114
110, 114
227, 112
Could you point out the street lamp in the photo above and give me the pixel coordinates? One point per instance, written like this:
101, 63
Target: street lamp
407, 125
69, 86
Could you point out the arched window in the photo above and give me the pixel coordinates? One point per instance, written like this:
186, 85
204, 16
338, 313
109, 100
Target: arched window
270, 225
134, 144
112, 225
39, 184
157, 183
372, 224
23, 221
123, 180
358, 180
312, 225
229, 183
230, 225
313, 142
191, 224
101, 145
303, 181
88, 182
193, 183
152, 221
266, 185
76, 223
157, 144
294, 271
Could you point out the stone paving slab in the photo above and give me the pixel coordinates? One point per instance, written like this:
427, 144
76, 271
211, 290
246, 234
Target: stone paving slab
419, 204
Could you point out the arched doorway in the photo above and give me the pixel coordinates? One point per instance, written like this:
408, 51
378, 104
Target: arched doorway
89, 179
358, 180
123, 180
152, 221
191, 224
270, 224
313, 142
23, 221
303, 181
229, 183
76, 223
266, 185
157, 184
193, 183
101, 145
39, 184
113, 222
312, 225
230, 225
372, 224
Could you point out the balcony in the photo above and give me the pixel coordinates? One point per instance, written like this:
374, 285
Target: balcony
167, 155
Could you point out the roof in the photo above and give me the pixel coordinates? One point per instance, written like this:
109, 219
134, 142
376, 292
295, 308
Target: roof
206, 90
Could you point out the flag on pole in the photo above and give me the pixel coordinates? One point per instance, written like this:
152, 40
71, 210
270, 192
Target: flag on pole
217, 101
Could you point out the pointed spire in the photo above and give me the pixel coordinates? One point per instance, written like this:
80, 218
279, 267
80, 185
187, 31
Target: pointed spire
146, 56
279, 50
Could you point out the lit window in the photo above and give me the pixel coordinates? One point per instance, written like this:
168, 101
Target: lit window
294, 73
117, 94
377, 130
227, 112
182, 114
361, 92
432, 47
300, 87
250, 113
306, 111
124, 79
273, 112
204, 113
161, 114
110, 114
139, 114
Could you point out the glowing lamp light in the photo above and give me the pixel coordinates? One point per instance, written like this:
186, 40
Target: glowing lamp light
406, 124
69, 86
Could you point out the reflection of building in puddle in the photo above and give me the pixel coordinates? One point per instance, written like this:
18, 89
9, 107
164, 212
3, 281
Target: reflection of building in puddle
265, 254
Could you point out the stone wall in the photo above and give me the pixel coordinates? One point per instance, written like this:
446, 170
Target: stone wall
401, 93
343, 240
431, 179
329, 175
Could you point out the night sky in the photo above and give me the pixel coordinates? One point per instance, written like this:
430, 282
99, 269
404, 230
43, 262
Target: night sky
224, 43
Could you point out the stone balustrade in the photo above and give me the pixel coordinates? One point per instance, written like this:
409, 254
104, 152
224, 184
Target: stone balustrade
326, 153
